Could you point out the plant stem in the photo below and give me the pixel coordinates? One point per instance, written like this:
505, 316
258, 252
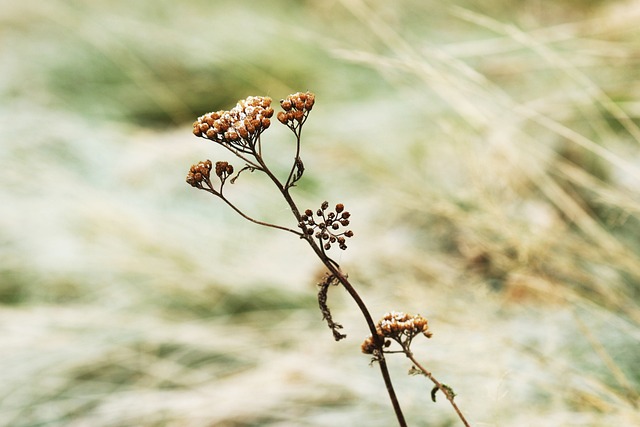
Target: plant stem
266, 224
332, 267
438, 384
247, 217
298, 133
372, 328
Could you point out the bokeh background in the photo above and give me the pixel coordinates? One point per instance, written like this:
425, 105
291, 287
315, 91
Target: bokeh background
488, 153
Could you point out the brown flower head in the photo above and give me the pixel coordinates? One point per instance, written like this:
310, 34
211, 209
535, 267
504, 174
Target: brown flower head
296, 109
238, 128
397, 324
198, 173
400, 327
368, 346
223, 170
327, 226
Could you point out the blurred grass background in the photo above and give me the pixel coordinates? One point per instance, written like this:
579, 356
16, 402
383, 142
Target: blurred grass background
489, 156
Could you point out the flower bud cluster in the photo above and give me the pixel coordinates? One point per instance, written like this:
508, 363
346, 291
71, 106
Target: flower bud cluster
398, 326
296, 108
198, 173
326, 227
223, 170
238, 127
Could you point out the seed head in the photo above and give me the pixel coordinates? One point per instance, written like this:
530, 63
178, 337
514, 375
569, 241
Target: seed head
239, 127
327, 225
223, 170
368, 346
198, 173
296, 108
400, 327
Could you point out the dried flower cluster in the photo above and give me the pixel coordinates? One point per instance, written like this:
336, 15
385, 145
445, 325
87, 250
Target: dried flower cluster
327, 226
239, 127
296, 108
398, 326
198, 173
223, 170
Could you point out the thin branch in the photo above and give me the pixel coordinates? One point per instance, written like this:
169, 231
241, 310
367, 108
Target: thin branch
266, 224
247, 217
443, 388
298, 133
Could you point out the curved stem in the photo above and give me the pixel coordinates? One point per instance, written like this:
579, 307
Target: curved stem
334, 269
248, 218
438, 384
236, 152
298, 133
372, 328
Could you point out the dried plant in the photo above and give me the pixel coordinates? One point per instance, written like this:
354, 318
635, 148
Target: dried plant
239, 130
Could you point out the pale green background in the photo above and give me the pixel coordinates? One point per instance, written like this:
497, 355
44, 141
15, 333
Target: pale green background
488, 153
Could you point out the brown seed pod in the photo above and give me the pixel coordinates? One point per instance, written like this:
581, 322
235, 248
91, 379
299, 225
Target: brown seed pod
285, 104
308, 105
298, 115
243, 132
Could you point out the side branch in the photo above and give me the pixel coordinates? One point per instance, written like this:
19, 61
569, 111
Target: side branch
247, 217
255, 221
446, 390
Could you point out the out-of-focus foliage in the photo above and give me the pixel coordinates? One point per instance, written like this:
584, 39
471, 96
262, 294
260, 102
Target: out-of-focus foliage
488, 153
